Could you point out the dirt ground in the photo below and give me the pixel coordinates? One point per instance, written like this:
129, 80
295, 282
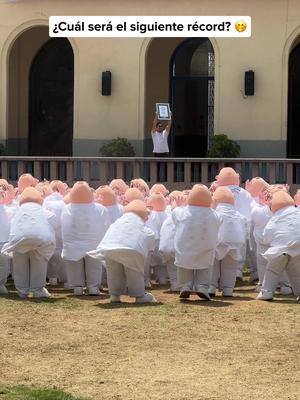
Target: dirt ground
229, 349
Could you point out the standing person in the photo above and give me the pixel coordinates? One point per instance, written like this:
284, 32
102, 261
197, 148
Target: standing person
84, 224
32, 244
195, 242
160, 135
282, 236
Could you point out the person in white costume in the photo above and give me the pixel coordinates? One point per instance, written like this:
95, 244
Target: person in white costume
84, 224
6, 198
54, 201
231, 240
125, 247
282, 235
159, 188
166, 243
230, 178
157, 204
260, 216
195, 241
141, 185
105, 195
32, 243
25, 181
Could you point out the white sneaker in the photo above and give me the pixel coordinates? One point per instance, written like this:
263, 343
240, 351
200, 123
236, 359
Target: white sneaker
41, 293
285, 290
212, 291
203, 293
298, 298
94, 291
147, 298
78, 291
264, 295
3, 289
227, 292
22, 295
115, 299
258, 288
52, 281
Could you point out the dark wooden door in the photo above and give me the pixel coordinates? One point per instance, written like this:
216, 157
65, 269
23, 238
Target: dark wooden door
51, 100
293, 137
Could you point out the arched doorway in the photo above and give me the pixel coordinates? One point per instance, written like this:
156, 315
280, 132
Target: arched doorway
51, 100
192, 69
36, 68
293, 138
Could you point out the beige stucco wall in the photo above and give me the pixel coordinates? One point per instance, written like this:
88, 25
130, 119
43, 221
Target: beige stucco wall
275, 25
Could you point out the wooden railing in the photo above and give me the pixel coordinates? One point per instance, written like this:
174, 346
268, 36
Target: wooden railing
176, 173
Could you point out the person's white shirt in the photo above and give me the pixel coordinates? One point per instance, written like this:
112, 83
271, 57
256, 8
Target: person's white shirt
160, 142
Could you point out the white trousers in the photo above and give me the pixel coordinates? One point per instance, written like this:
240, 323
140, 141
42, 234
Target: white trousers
224, 273
251, 259
291, 265
262, 265
4, 267
120, 277
172, 272
193, 279
85, 272
56, 267
29, 271
161, 274
239, 271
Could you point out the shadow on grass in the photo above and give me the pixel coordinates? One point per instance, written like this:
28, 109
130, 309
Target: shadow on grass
87, 297
204, 303
109, 306
50, 300
235, 297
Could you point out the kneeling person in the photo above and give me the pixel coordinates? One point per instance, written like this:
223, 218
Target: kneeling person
125, 247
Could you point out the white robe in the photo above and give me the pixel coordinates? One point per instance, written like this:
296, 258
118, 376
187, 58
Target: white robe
196, 235
282, 233
167, 233
232, 233
31, 229
127, 241
56, 204
83, 227
115, 211
260, 216
243, 200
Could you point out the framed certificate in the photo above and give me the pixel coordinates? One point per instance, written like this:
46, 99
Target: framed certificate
163, 111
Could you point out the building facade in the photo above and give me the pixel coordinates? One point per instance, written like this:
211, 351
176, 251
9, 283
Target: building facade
51, 97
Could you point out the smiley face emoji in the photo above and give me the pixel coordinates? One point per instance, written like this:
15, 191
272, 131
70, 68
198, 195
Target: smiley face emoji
240, 26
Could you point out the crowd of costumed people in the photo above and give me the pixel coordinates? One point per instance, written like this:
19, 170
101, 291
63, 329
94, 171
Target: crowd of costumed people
129, 237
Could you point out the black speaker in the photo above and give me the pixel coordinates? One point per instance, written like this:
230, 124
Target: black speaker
106, 83
249, 83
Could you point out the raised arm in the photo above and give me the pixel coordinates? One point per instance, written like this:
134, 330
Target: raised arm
154, 123
168, 127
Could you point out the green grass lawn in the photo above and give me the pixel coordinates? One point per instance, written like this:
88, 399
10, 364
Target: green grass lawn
30, 393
